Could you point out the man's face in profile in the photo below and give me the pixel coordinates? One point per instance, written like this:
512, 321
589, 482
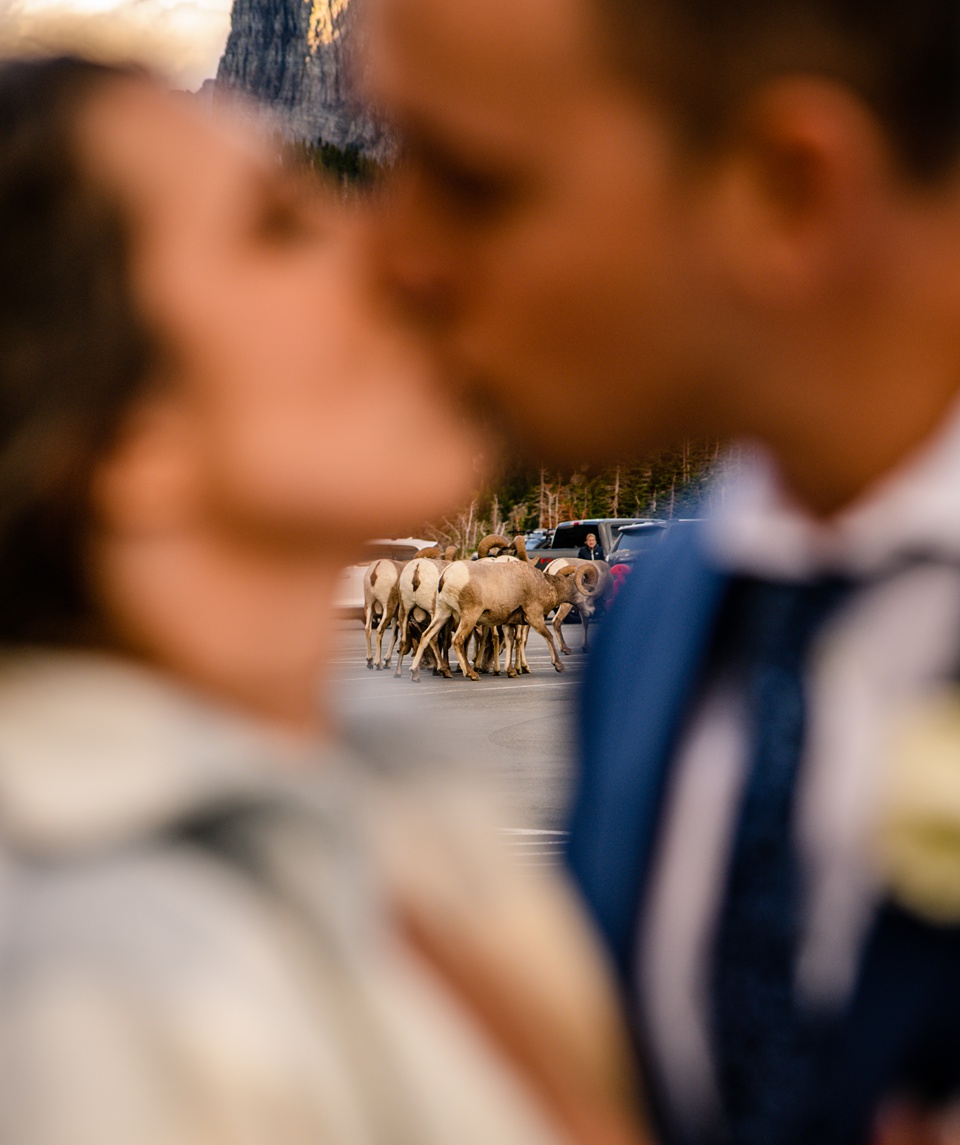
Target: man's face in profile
539, 224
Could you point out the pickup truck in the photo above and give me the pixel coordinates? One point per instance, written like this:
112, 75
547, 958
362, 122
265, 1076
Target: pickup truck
569, 536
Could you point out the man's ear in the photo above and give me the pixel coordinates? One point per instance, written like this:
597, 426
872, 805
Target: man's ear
799, 200
148, 483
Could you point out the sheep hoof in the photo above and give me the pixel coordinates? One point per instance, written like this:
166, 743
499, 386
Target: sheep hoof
511, 674
447, 675
565, 651
525, 670
370, 665
558, 666
473, 676
415, 675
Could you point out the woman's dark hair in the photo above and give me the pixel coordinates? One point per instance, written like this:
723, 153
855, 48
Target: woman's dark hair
902, 58
72, 353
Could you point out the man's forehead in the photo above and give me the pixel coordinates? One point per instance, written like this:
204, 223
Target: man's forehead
447, 59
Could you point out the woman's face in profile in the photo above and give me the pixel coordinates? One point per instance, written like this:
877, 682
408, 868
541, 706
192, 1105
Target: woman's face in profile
298, 405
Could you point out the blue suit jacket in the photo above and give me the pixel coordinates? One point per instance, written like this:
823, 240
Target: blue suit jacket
901, 1029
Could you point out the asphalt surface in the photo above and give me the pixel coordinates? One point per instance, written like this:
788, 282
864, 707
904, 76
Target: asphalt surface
517, 733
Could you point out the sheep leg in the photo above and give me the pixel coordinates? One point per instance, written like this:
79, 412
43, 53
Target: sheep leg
388, 615
403, 622
436, 654
537, 622
586, 632
378, 645
367, 630
393, 639
438, 649
561, 615
443, 642
510, 638
486, 650
440, 618
461, 636
523, 635
482, 648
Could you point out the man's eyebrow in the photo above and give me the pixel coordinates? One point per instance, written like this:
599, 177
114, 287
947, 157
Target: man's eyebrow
441, 148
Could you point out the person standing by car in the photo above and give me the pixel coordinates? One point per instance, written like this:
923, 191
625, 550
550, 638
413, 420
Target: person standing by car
591, 551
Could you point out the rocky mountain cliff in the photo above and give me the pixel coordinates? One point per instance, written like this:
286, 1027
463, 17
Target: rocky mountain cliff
293, 58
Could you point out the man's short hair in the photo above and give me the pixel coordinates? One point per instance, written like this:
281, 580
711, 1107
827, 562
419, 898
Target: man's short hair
901, 56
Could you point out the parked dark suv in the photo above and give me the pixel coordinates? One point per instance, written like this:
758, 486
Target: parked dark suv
634, 541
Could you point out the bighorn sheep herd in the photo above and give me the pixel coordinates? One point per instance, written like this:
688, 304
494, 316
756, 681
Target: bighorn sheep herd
481, 607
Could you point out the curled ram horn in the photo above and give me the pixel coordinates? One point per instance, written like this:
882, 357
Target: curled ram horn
492, 541
433, 553
450, 553
520, 548
587, 579
566, 570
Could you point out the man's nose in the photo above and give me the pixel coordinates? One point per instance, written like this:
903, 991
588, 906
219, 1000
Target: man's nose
411, 265
422, 293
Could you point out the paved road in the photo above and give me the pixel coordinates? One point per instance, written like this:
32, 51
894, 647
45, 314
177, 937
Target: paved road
516, 731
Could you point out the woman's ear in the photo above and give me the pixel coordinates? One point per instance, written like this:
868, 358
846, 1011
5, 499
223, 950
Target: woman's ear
148, 482
799, 195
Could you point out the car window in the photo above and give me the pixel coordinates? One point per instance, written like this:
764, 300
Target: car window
640, 540
376, 552
572, 536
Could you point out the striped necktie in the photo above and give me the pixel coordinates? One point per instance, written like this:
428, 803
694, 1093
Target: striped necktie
769, 1053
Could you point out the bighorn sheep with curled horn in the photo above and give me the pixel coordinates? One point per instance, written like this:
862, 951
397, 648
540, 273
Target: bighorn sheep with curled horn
488, 645
597, 588
486, 656
491, 593
418, 602
417, 591
493, 547
381, 601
